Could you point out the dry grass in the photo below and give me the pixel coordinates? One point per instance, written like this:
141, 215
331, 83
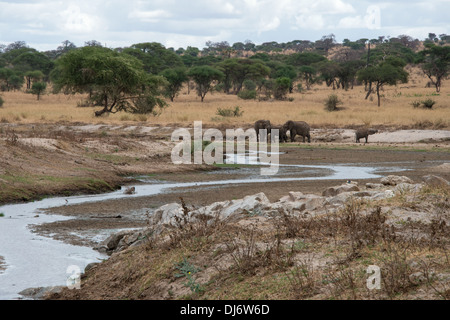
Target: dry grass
396, 108
281, 257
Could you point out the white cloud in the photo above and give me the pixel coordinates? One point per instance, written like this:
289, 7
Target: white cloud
74, 20
330, 7
268, 25
149, 16
315, 22
180, 23
372, 20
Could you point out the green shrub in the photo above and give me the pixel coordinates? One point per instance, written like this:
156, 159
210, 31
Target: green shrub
429, 103
332, 102
281, 88
249, 85
1, 102
247, 94
230, 112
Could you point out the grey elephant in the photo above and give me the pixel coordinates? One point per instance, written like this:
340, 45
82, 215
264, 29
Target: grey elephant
364, 133
300, 128
282, 132
262, 124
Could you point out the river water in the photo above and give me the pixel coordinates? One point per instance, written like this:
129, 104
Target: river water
33, 261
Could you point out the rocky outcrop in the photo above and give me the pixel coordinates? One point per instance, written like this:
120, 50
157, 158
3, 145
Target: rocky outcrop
435, 181
335, 198
40, 292
333, 191
395, 180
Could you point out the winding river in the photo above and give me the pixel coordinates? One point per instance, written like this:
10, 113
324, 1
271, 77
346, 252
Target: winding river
32, 261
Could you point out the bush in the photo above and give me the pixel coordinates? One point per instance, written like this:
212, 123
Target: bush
332, 102
247, 94
230, 112
281, 88
1, 102
429, 103
249, 85
416, 104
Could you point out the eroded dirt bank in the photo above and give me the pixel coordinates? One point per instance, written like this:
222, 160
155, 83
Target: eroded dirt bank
47, 160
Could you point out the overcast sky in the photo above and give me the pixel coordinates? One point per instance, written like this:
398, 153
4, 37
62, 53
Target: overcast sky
45, 24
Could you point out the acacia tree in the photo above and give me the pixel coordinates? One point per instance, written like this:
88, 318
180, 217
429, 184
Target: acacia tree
115, 81
308, 73
175, 77
237, 70
38, 88
388, 72
33, 76
204, 76
435, 63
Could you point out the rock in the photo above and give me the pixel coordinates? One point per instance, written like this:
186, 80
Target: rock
113, 240
313, 203
381, 195
40, 292
389, 193
90, 266
417, 277
395, 180
134, 238
297, 201
131, 190
293, 196
435, 181
370, 185
165, 214
333, 191
251, 205
254, 204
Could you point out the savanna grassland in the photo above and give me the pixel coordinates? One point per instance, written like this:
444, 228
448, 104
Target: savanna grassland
396, 108
257, 257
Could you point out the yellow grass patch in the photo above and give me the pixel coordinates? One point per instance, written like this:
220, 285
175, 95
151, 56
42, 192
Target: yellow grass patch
396, 109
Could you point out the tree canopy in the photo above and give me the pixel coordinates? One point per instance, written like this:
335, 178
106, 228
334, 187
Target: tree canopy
388, 72
114, 81
435, 63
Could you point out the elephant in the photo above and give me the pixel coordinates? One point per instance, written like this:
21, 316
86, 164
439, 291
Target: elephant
262, 124
282, 133
300, 128
364, 133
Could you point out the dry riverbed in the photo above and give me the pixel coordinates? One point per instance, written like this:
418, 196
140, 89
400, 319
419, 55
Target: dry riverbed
63, 159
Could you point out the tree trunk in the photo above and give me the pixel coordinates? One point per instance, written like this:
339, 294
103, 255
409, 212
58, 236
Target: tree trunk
369, 91
438, 85
378, 94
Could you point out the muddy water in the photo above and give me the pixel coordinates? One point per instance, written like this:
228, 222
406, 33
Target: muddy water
36, 261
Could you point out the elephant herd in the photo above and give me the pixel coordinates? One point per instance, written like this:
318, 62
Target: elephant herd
295, 128
303, 129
